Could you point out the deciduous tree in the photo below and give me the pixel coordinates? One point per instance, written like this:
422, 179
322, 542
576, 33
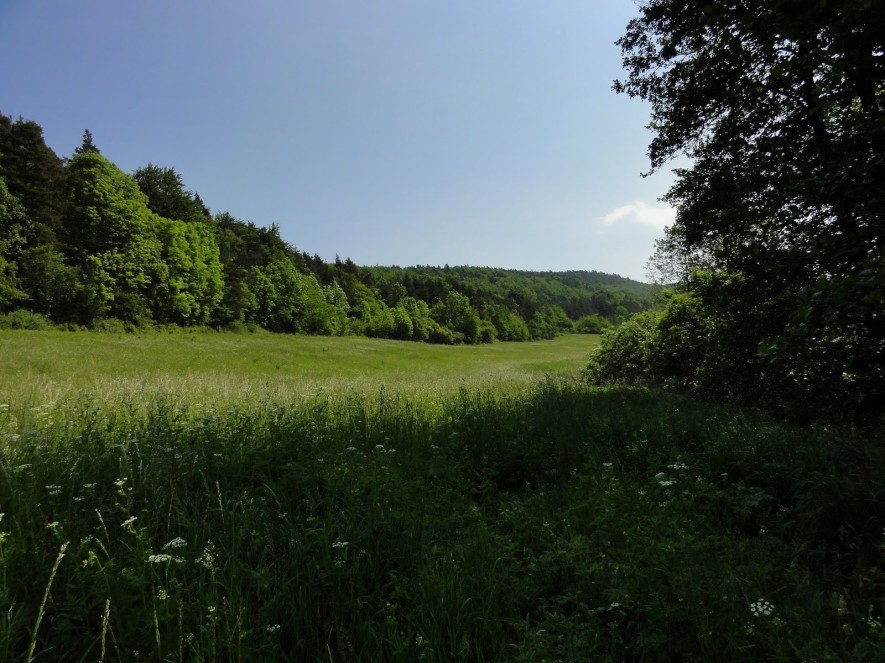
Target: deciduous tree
780, 106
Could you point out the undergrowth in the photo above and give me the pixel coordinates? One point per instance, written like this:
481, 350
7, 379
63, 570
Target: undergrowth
557, 523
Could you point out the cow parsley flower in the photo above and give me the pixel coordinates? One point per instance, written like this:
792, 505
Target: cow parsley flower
177, 542
761, 608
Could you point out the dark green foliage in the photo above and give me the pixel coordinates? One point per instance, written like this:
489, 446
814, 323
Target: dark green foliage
21, 319
577, 293
287, 300
52, 285
12, 222
373, 318
167, 196
456, 313
591, 324
35, 176
83, 242
87, 146
550, 322
561, 523
624, 357
507, 323
779, 105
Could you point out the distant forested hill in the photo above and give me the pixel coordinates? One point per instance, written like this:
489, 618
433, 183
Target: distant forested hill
578, 293
86, 245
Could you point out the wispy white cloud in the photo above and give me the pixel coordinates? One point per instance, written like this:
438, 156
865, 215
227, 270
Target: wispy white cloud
639, 212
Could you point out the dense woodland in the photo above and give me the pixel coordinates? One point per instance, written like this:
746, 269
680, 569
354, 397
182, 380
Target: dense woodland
84, 244
779, 242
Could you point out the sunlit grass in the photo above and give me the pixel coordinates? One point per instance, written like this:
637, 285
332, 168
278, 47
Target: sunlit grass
50, 367
530, 518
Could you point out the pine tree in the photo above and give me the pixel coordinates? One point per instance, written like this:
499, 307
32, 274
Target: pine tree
87, 145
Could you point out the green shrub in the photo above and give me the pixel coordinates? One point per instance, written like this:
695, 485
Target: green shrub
592, 324
550, 322
240, 327
487, 332
21, 319
112, 326
624, 356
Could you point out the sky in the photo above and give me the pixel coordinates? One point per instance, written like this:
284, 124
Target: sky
392, 132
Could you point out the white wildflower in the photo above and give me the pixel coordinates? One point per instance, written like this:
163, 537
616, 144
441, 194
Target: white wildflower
761, 608
162, 594
207, 559
158, 559
177, 542
340, 544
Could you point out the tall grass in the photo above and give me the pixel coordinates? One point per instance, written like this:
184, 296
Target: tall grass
551, 522
223, 369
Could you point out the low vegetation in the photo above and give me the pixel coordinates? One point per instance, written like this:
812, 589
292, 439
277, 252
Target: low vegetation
524, 521
203, 367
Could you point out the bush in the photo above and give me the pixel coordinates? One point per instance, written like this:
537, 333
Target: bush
442, 335
21, 319
592, 324
113, 326
240, 327
487, 332
550, 322
625, 353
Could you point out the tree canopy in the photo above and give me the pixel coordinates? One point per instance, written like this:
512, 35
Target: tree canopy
780, 107
81, 241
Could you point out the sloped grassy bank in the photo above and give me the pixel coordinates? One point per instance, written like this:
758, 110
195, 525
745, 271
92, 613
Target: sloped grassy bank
557, 522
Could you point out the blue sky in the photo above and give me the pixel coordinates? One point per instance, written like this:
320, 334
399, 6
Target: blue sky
388, 131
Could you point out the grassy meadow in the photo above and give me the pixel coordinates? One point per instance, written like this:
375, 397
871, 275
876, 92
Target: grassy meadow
213, 497
40, 367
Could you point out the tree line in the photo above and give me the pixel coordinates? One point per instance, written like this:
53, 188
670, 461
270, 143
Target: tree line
83, 243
